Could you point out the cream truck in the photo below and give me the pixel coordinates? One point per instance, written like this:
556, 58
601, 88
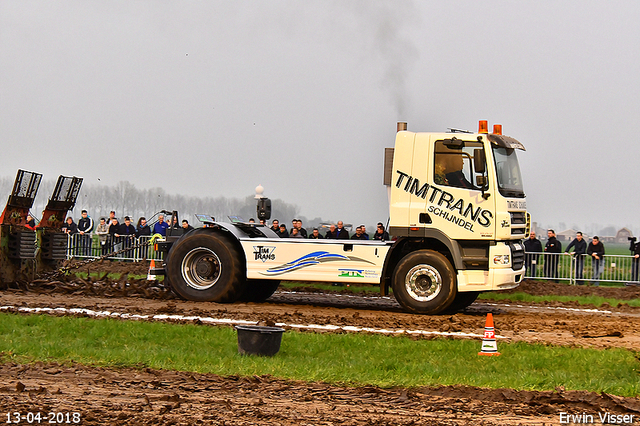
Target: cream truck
457, 215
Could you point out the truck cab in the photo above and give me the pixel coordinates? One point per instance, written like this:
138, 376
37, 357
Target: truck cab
460, 194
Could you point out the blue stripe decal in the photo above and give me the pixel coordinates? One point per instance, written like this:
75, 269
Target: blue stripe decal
310, 260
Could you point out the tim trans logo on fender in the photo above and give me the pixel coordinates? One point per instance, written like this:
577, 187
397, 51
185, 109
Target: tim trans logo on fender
264, 253
445, 200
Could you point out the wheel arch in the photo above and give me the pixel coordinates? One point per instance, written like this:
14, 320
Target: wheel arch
225, 231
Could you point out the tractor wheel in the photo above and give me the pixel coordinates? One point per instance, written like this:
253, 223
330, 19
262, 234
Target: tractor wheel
206, 267
259, 290
424, 282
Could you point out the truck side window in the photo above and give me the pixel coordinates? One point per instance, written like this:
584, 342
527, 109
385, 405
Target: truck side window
454, 167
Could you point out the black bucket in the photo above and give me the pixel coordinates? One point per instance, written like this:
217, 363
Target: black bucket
259, 340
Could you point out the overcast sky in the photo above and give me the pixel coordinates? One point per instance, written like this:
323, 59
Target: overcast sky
215, 97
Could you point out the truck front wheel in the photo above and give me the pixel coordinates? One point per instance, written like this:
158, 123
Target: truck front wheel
462, 300
206, 267
424, 282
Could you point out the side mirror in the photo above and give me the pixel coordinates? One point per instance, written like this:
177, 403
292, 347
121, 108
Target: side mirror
479, 161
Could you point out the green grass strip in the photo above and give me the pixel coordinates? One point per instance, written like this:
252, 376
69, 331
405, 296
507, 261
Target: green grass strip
335, 358
583, 300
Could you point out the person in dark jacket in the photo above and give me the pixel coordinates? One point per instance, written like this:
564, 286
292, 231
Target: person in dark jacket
301, 230
580, 246
635, 267
532, 245
282, 231
143, 229
331, 233
85, 228
358, 235
186, 227
127, 234
364, 232
315, 235
114, 235
127, 229
70, 227
174, 222
454, 175
30, 223
553, 248
382, 235
341, 233
596, 251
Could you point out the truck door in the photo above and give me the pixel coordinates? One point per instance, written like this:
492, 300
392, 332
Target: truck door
455, 204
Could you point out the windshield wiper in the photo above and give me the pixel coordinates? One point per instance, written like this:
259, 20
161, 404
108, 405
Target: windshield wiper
512, 193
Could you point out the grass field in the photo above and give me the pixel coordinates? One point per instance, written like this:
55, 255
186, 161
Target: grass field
356, 359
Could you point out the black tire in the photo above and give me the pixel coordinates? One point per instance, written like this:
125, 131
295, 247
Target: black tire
259, 290
462, 300
206, 266
424, 282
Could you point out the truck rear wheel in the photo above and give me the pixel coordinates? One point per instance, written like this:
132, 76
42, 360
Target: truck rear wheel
424, 282
206, 267
259, 290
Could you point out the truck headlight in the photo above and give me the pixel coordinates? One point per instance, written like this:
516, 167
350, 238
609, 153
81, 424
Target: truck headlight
501, 259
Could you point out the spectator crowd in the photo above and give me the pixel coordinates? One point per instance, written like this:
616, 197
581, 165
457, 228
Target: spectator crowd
113, 235
335, 232
581, 250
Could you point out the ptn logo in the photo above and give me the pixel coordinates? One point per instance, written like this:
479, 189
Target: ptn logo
351, 273
505, 224
264, 253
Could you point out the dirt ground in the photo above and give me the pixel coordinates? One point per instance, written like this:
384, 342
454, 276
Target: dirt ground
130, 396
154, 397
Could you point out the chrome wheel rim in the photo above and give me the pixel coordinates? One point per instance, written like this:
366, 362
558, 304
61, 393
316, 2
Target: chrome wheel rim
201, 268
423, 283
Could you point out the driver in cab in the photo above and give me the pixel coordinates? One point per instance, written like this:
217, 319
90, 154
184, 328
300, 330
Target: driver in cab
453, 175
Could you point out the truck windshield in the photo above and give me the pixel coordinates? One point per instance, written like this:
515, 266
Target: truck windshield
508, 170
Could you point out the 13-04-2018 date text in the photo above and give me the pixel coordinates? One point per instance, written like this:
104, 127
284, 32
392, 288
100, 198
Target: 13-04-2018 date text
54, 418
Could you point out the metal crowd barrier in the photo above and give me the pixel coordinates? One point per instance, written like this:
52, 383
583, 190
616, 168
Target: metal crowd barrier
576, 269
582, 269
92, 246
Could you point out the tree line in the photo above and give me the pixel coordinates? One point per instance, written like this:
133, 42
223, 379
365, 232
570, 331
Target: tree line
127, 200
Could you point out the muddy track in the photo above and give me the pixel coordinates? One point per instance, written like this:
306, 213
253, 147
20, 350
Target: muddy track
146, 397
551, 323
155, 397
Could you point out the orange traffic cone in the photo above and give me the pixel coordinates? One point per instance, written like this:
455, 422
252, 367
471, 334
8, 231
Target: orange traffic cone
152, 266
489, 346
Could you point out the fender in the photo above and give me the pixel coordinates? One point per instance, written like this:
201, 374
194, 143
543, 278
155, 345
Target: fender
238, 231
430, 233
